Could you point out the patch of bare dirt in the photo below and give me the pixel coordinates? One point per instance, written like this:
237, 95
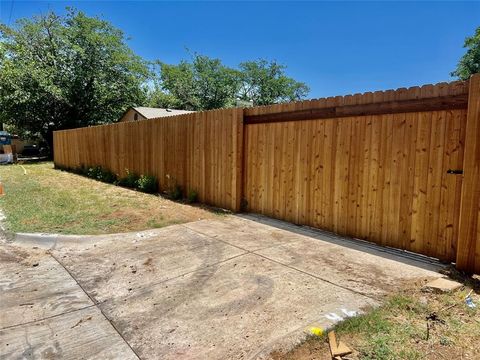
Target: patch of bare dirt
311, 349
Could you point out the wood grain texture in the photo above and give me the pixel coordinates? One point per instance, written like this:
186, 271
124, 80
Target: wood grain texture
402, 94
379, 177
200, 151
389, 107
468, 248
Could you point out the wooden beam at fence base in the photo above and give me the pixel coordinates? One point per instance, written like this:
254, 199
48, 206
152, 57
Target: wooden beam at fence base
389, 107
468, 247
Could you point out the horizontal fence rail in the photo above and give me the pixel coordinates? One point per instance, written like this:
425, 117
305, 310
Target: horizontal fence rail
389, 107
400, 167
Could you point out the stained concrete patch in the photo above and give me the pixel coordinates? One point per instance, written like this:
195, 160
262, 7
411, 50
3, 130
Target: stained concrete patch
34, 286
370, 273
112, 269
82, 334
229, 288
58, 241
243, 233
239, 308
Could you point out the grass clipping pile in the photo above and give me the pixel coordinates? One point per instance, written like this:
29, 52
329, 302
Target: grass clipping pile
415, 323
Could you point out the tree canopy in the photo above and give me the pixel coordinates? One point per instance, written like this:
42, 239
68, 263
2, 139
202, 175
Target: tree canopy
202, 84
66, 71
469, 63
205, 83
60, 72
264, 83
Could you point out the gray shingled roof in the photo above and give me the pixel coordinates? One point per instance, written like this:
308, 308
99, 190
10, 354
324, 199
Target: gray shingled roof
151, 113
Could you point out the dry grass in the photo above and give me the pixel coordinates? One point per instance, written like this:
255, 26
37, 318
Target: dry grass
398, 329
53, 201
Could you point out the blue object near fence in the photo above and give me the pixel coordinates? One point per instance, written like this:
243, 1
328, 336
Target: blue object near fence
5, 138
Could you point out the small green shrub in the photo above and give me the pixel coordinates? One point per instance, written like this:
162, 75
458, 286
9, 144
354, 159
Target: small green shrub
130, 180
175, 192
147, 183
192, 196
82, 170
95, 172
108, 176
98, 173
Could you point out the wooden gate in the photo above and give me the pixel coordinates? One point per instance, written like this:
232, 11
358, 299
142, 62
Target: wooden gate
393, 178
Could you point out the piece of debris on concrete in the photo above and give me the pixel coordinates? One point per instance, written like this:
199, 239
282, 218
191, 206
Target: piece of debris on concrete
316, 331
133, 269
337, 349
80, 321
442, 285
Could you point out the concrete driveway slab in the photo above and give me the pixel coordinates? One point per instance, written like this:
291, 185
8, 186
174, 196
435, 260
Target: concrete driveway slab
240, 232
370, 273
112, 269
34, 286
233, 288
237, 309
82, 334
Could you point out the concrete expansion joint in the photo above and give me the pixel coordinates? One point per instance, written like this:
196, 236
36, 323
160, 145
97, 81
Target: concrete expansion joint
254, 252
319, 278
95, 303
46, 318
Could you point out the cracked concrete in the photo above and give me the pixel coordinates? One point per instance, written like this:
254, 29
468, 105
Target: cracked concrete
233, 288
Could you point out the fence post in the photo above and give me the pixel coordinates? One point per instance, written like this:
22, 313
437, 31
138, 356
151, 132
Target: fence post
468, 246
239, 154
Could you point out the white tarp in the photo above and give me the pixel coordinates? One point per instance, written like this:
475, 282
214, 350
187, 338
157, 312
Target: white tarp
6, 158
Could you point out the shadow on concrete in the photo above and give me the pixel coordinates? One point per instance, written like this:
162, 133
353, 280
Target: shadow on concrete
402, 256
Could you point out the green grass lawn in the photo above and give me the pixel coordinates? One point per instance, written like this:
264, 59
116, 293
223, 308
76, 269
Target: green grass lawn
47, 200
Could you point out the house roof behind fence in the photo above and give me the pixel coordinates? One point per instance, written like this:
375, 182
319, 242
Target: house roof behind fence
151, 113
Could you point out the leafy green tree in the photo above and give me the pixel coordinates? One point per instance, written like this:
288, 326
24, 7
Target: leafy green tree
202, 84
470, 62
159, 98
265, 83
205, 83
60, 72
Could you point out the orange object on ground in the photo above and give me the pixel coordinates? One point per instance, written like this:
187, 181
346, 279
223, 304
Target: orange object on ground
2, 192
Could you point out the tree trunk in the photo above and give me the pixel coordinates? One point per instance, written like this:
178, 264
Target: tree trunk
48, 137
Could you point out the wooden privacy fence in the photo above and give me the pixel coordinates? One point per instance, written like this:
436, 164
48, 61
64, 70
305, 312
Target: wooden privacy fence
399, 168
198, 151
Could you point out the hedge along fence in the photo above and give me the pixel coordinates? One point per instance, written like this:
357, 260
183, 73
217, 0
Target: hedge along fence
383, 166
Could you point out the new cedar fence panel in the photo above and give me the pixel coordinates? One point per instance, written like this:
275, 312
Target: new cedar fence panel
468, 255
400, 167
198, 151
372, 166
381, 178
